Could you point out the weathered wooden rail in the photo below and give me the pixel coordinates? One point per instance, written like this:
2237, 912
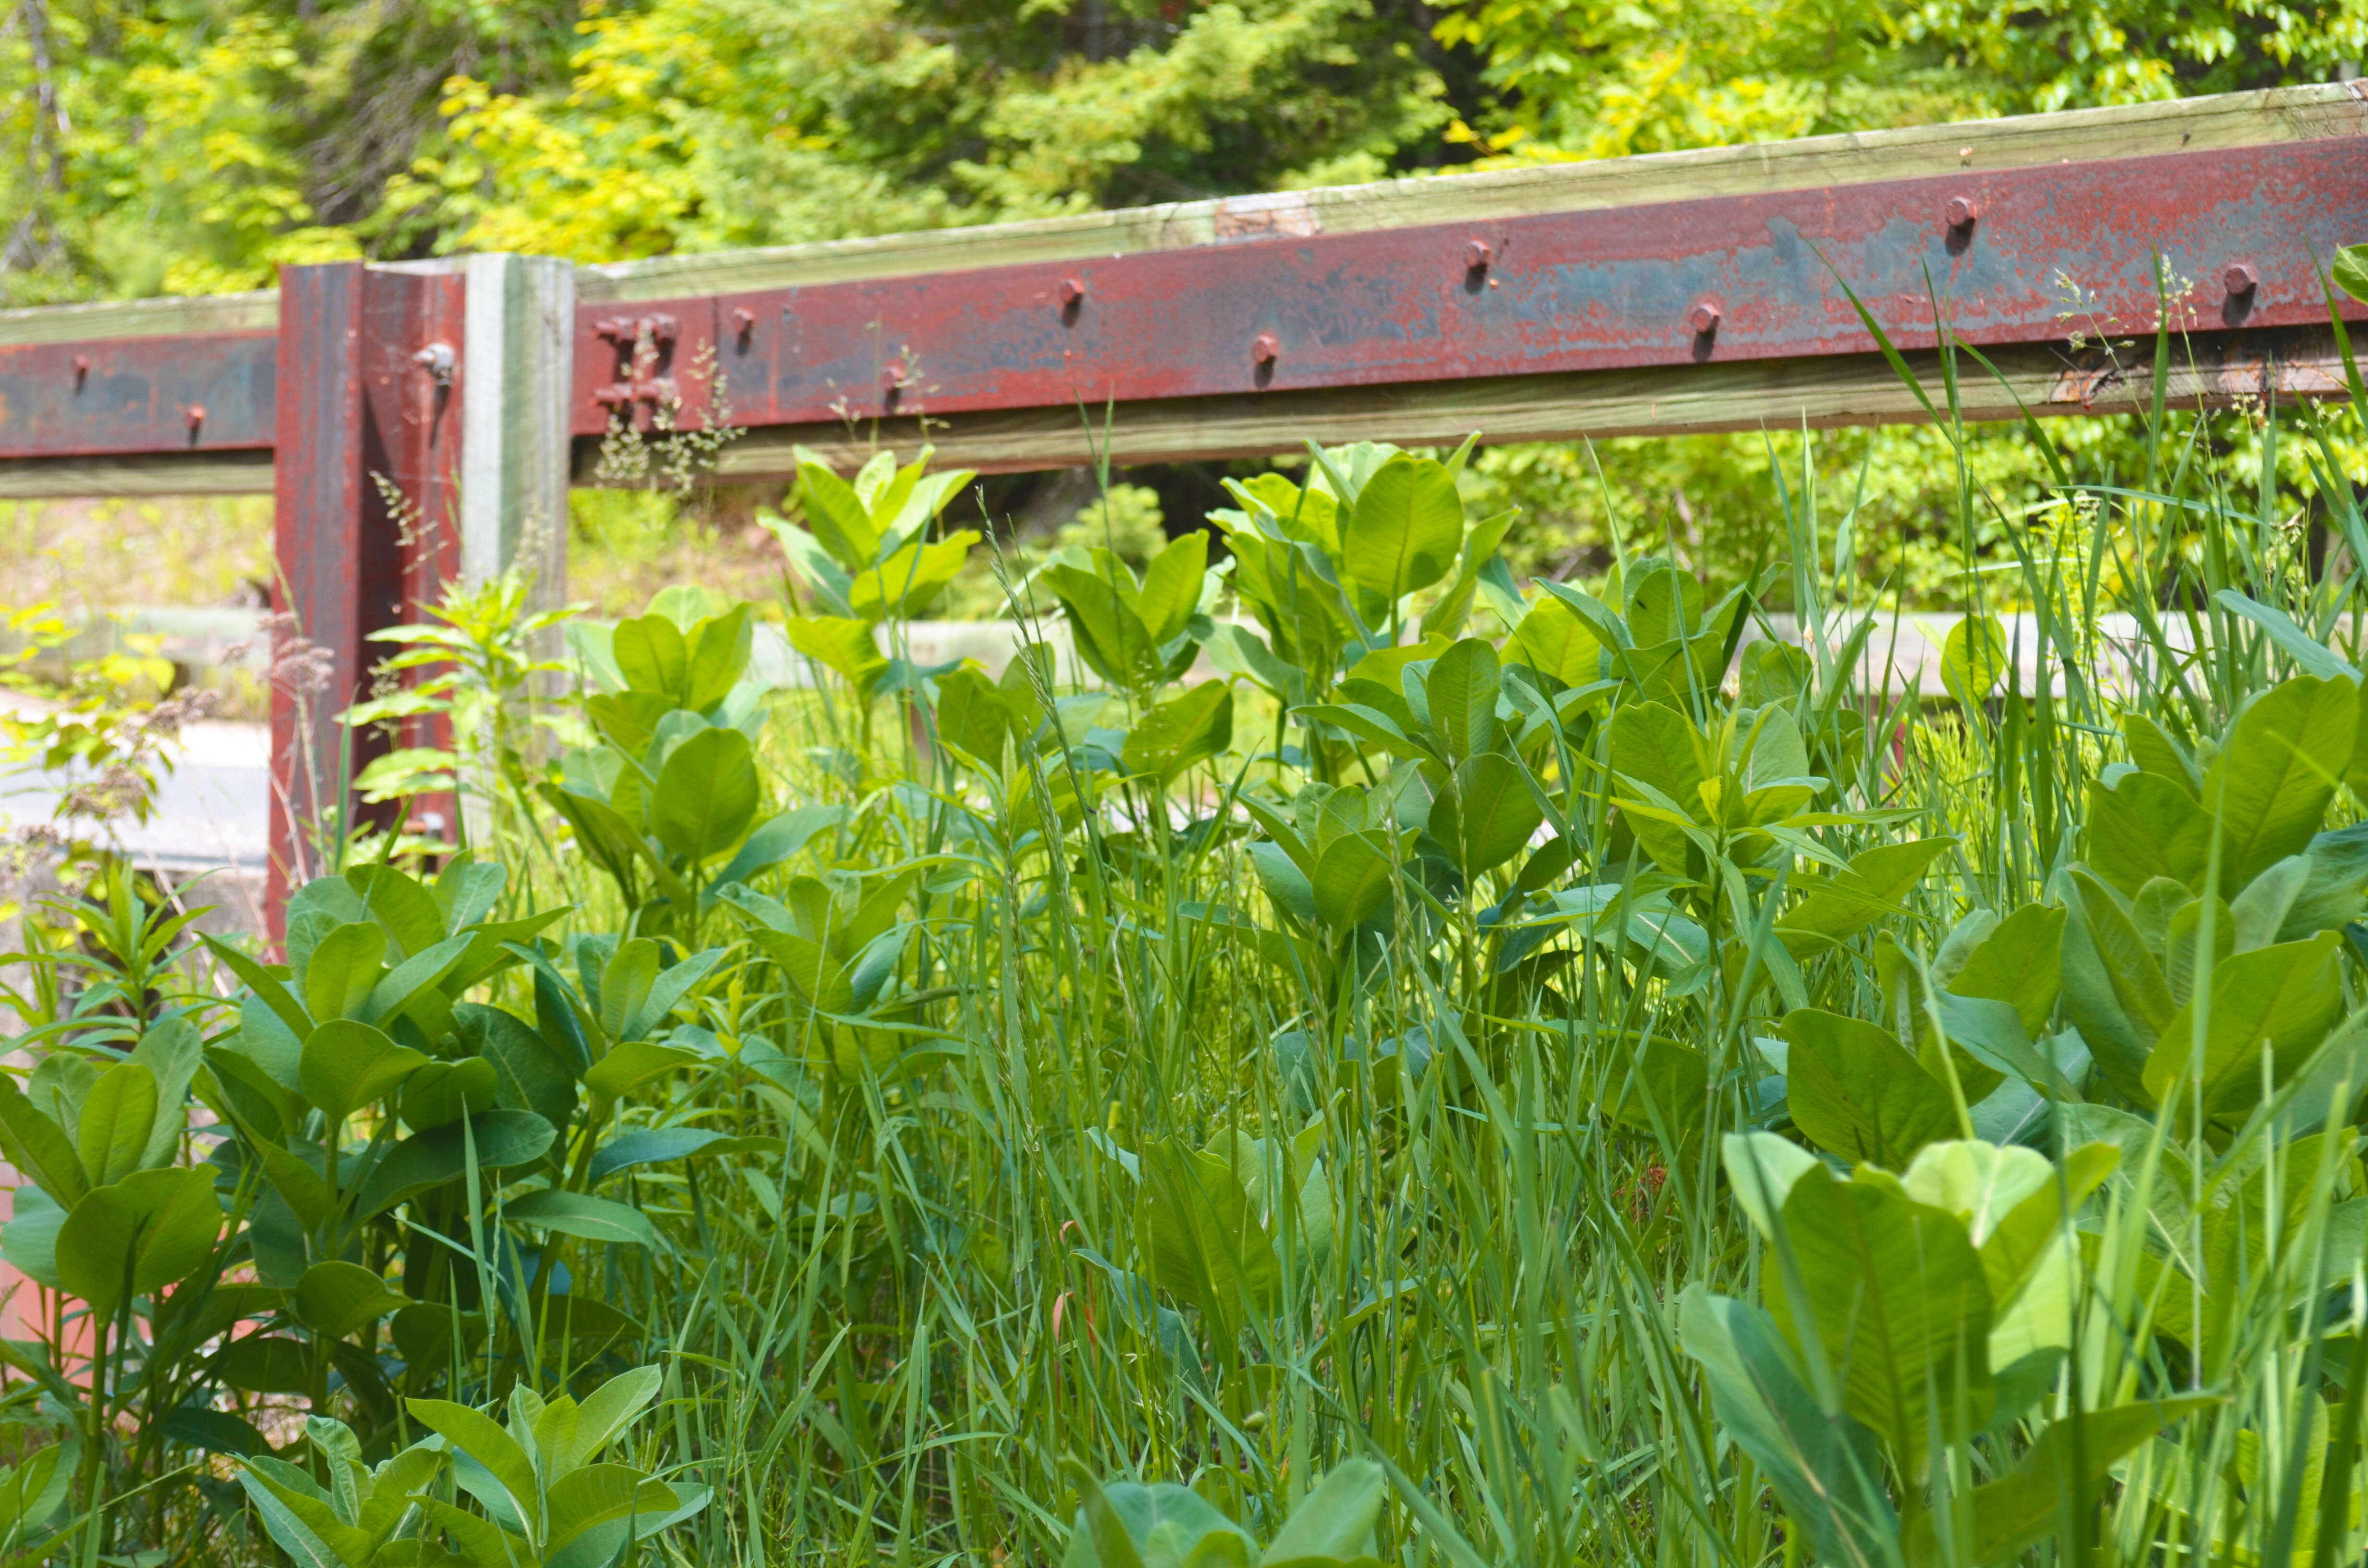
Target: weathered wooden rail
1693, 291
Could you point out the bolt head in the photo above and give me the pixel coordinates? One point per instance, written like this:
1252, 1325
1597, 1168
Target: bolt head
1264, 348
893, 374
1703, 318
744, 320
2240, 278
194, 416
1072, 290
82, 364
1478, 253
1962, 211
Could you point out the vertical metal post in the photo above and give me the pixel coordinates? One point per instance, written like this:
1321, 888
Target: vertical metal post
514, 462
367, 438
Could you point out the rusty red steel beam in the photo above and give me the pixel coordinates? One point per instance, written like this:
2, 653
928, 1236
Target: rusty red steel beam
2020, 256
365, 364
2246, 233
210, 392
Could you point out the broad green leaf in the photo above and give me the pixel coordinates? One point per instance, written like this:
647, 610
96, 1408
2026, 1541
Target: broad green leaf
2113, 990
592, 1511
39, 1147
1171, 586
653, 657
404, 909
261, 981
1351, 881
1856, 1092
2153, 751
1974, 659
337, 1299
29, 1240
1760, 1170
117, 1117
625, 984
2284, 998
174, 1050
2352, 270
719, 654
971, 716
476, 1435
821, 983
260, 1363
1291, 889
137, 1235
633, 1062
1655, 744
440, 1092
348, 1065
2146, 826
1823, 1465
2015, 1239
2020, 962
299, 1517
2277, 770
778, 838
343, 970
843, 646
1664, 1095
1487, 814
825, 577
1981, 1184
1899, 1305
2047, 1486
576, 1214
836, 514
656, 1145
1181, 732
503, 1138
1406, 529
32, 1492
707, 795
528, 1075
1462, 689
409, 982
1334, 1523
1553, 641
1128, 1526
906, 584
1207, 1248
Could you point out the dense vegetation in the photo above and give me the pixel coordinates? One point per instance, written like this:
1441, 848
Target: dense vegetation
1498, 1072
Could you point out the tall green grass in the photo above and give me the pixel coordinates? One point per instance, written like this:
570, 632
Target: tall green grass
1484, 1189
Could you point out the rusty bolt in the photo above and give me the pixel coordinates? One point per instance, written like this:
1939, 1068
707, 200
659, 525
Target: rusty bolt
1072, 291
194, 416
1703, 318
1264, 347
439, 360
744, 320
1962, 211
80, 366
1477, 254
2240, 278
893, 374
